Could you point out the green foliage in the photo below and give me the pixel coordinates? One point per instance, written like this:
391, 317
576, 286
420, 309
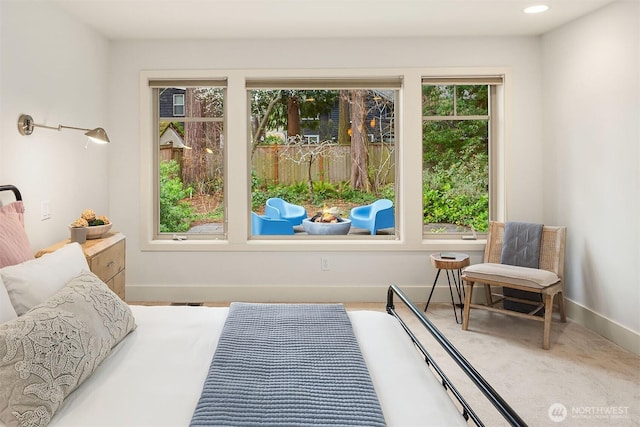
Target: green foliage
323, 190
175, 216
457, 195
273, 140
310, 102
469, 100
455, 157
296, 193
388, 192
216, 215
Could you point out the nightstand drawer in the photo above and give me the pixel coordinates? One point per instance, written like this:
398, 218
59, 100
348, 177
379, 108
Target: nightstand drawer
109, 262
116, 284
106, 259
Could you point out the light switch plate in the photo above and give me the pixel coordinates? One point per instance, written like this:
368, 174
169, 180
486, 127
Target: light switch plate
45, 210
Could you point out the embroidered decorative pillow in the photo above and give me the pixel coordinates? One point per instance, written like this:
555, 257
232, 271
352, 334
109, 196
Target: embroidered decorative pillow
34, 281
14, 243
49, 351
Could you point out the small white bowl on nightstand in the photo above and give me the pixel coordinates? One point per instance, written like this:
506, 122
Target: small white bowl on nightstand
97, 231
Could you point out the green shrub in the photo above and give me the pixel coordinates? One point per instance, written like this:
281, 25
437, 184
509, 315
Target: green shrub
323, 190
457, 195
175, 215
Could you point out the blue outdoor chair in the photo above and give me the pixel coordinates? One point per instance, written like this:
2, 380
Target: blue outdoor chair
373, 217
262, 225
278, 208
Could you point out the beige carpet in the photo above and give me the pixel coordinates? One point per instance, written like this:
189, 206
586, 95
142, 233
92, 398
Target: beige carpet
596, 382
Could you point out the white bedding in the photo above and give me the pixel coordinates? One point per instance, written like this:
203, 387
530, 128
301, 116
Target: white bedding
155, 375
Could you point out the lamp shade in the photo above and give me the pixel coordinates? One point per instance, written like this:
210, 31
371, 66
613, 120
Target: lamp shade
98, 135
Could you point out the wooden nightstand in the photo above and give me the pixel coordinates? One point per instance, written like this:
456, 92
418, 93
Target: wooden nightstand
106, 259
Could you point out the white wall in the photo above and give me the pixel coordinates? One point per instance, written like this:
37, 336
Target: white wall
55, 70
234, 274
60, 72
591, 81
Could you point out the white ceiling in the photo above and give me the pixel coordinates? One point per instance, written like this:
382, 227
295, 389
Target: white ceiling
233, 19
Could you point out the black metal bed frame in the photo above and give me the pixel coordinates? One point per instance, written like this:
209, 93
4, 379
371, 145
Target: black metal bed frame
492, 395
15, 190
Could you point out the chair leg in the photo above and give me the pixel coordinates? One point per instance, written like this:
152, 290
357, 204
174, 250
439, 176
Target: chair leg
548, 309
467, 305
487, 295
563, 313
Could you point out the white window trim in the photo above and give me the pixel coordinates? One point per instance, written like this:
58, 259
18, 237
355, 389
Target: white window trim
237, 191
496, 143
174, 105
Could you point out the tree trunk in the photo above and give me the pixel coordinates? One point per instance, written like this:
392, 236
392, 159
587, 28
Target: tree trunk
293, 116
194, 160
259, 128
359, 155
343, 118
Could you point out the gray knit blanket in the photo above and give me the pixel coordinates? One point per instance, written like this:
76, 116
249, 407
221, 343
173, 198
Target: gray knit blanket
288, 365
521, 244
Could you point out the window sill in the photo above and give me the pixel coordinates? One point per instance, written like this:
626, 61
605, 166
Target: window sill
454, 245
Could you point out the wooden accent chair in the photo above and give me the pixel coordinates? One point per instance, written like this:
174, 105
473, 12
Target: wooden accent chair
545, 280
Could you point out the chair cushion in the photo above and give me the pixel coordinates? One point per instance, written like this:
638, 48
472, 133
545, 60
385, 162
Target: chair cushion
510, 274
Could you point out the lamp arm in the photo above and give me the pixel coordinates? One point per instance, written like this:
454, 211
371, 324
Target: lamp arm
60, 127
35, 125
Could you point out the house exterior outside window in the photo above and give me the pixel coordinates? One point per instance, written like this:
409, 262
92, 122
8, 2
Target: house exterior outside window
178, 104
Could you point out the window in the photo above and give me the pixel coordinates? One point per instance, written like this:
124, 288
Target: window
373, 134
345, 157
178, 104
457, 140
190, 153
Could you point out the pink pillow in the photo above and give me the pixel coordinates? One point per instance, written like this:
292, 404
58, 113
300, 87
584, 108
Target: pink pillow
14, 243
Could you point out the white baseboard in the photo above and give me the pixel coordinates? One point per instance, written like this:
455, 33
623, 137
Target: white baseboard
609, 329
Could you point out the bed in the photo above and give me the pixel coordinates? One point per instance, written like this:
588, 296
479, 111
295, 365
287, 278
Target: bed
150, 365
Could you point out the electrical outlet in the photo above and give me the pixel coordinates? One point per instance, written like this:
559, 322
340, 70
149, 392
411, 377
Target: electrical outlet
45, 210
324, 263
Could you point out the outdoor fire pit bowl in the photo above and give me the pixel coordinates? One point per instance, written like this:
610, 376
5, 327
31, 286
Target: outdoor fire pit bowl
326, 228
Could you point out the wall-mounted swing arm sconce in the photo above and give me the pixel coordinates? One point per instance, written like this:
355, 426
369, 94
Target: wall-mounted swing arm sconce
26, 126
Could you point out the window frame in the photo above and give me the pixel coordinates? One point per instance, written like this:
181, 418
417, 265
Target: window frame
175, 104
334, 84
154, 86
495, 123
409, 167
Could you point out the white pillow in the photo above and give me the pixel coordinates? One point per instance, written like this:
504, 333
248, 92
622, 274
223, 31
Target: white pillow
6, 309
34, 281
49, 351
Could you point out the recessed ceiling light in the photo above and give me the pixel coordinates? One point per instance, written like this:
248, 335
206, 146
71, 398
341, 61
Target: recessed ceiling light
537, 8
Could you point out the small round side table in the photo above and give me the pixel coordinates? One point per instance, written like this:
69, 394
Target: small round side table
450, 262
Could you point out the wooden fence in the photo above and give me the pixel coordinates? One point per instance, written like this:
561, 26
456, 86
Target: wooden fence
273, 165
